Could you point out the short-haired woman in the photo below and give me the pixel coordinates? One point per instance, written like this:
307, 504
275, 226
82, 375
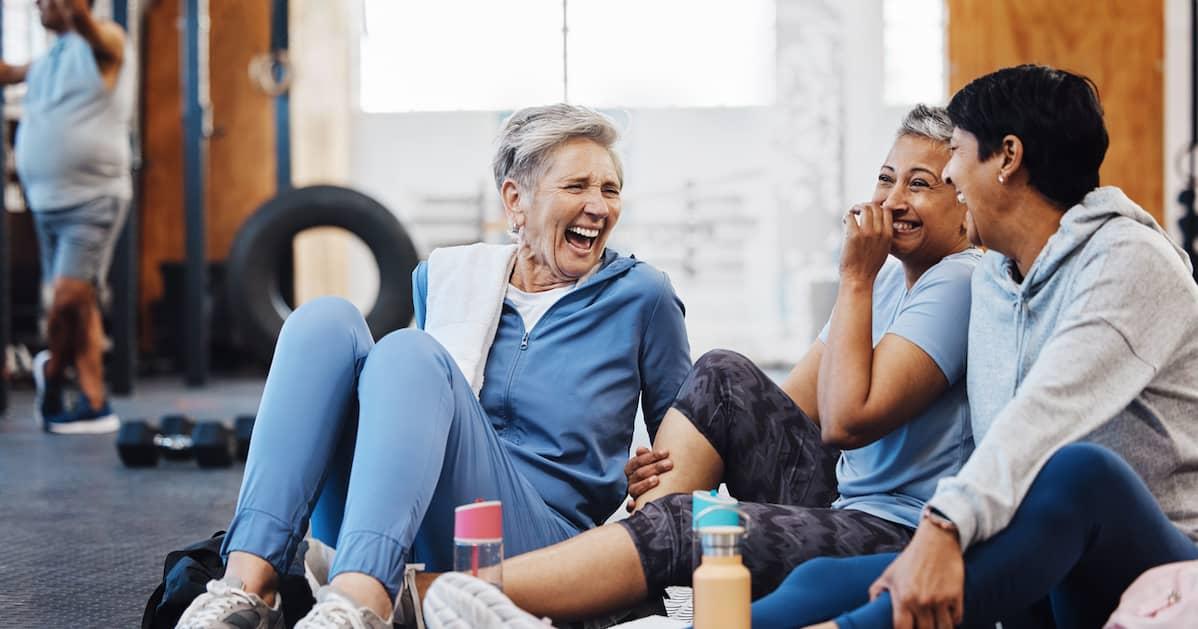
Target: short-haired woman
551, 343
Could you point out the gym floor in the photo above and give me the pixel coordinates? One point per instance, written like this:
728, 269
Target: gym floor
82, 538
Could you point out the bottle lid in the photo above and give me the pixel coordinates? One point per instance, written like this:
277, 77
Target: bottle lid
478, 523
701, 508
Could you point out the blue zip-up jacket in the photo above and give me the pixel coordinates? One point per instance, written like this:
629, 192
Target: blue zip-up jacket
563, 396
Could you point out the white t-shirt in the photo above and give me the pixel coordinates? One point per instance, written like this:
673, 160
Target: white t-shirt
532, 306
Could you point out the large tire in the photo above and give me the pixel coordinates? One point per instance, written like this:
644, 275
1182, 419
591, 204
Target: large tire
255, 292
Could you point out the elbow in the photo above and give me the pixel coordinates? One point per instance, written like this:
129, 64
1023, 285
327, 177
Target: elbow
844, 434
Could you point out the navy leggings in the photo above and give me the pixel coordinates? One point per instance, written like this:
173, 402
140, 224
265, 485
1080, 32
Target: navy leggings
1086, 529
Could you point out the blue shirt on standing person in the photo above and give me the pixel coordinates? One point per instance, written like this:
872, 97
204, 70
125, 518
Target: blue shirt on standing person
72, 144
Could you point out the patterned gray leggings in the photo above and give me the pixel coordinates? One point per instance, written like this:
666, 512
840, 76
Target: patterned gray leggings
776, 465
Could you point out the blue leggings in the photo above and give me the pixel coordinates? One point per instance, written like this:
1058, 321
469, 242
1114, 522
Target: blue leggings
1086, 529
402, 416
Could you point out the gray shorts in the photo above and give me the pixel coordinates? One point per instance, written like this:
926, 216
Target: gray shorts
78, 241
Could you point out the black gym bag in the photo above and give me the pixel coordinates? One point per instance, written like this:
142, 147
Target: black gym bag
186, 573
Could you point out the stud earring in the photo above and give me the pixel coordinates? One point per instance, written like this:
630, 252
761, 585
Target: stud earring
1002, 179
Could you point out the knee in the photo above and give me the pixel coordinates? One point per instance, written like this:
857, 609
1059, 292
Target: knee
674, 507
408, 349
324, 316
1076, 475
721, 359
1080, 465
815, 573
70, 295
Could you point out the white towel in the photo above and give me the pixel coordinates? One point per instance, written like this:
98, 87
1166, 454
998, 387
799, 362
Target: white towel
466, 286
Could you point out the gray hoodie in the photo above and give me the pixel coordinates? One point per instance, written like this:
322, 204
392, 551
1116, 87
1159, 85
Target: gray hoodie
1098, 343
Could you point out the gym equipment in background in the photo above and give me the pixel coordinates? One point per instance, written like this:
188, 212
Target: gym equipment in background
213, 443
263, 245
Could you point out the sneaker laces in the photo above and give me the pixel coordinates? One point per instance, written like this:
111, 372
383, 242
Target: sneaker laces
214, 605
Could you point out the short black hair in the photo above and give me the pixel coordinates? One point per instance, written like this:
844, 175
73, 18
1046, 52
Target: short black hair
1057, 116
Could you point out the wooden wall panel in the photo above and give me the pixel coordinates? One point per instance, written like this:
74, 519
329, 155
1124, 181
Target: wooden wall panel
241, 153
1117, 43
162, 145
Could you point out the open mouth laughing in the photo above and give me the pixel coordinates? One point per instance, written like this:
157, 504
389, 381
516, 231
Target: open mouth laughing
582, 239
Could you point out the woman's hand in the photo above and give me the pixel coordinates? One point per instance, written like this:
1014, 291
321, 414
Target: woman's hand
642, 471
926, 582
867, 244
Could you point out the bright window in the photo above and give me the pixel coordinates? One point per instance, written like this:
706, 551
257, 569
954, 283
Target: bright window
24, 37
487, 55
913, 33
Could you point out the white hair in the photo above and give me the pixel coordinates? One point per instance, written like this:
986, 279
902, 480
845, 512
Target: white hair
531, 134
929, 122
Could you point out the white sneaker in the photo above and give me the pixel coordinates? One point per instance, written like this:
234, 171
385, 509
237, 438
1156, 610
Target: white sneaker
334, 610
317, 560
459, 601
227, 606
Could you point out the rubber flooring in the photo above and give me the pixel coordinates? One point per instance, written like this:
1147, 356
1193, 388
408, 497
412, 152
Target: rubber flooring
82, 538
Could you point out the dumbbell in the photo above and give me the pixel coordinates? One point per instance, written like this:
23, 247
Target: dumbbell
243, 426
140, 444
215, 445
212, 444
135, 443
174, 439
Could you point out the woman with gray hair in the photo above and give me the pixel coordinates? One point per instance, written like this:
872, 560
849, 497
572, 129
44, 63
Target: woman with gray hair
839, 459
520, 384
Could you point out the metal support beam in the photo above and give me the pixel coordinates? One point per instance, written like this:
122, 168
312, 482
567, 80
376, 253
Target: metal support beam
1189, 218
123, 275
197, 126
279, 17
5, 263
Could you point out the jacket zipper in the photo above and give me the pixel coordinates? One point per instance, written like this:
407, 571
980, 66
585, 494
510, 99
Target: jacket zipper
511, 378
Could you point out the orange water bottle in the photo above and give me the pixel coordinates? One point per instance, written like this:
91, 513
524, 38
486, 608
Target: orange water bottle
722, 584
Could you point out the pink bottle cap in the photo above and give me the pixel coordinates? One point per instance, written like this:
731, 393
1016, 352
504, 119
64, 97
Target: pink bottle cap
478, 523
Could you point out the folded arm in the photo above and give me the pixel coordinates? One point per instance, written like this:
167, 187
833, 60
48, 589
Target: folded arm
10, 74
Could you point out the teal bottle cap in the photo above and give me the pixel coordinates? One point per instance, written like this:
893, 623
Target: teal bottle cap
726, 513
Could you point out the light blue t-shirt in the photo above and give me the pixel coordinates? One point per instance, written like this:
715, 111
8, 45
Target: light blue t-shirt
72, 144
894, 476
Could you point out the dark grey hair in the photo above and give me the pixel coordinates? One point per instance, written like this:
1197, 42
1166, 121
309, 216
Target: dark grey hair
531, 134
928, 122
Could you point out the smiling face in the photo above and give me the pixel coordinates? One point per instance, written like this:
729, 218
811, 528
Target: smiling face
928, 221
566, 217
975, 181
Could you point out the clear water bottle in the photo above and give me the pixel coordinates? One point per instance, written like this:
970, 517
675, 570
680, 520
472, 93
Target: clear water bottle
478, 541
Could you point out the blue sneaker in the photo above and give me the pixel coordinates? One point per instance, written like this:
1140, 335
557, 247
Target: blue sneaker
49, 401
83, 420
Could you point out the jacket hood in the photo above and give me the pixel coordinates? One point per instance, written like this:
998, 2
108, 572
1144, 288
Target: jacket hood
1078, 225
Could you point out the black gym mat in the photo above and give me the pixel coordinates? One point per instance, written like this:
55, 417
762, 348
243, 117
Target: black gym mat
82, 538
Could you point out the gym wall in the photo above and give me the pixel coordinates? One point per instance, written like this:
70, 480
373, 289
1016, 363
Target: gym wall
241, 152
1117, 43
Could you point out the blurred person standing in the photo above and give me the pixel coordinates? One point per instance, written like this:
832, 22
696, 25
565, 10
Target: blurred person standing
72, 157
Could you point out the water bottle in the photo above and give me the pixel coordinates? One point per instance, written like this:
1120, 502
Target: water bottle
722, 584
709, 508
478, 541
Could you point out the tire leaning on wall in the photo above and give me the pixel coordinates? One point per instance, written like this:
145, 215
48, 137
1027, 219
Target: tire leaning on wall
253, 268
